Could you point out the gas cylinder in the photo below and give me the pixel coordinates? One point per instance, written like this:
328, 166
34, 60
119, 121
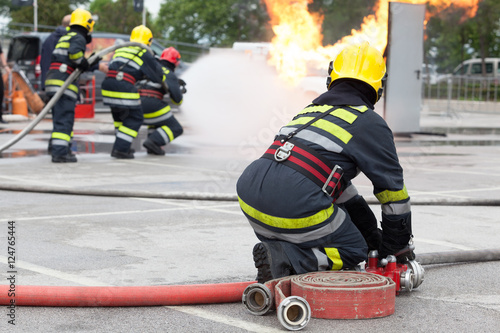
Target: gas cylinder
19, 104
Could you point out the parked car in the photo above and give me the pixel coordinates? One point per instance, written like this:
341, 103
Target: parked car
25, 49
473, 67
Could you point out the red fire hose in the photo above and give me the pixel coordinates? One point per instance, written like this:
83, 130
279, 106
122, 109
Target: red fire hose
124, 296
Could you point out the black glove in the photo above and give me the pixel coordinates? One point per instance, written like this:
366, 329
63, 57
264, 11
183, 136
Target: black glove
396, 235
83, 65
182, 83
364, 219
95, 61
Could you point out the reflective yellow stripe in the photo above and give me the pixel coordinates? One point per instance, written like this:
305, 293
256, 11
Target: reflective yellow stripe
168, 131
117, 124
76, 55
316, 108
334, 255
61, 136
60, 83
325, 125
128, 131
392, 196
130, 53
158, 113
62, 45
287, 223
345, 115
118, 94
361, 108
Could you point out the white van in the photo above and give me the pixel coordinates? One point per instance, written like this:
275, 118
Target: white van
473, 67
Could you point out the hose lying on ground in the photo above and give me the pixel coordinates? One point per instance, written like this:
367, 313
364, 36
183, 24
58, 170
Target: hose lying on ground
60, 92
207, 196
178, 294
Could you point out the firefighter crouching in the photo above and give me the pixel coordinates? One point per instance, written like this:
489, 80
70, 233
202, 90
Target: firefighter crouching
298, 196
162, 125
66, 57
129, 65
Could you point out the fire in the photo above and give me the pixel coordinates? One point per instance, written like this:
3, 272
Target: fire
297, 43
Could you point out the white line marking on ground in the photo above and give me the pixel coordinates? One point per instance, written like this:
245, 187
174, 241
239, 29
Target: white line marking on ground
185, 167
252, 327
191, 310
142, 211
56, 274
444, 243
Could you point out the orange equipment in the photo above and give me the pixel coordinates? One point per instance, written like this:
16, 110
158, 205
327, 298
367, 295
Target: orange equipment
19, 104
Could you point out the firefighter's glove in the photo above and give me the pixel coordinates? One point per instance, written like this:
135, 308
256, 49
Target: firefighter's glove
84, 65
182, 83
95, 62
364, 219
396, 236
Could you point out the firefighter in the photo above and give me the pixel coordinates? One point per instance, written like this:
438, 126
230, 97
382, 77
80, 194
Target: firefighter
298, 196
129, 65
162, 125
66, 57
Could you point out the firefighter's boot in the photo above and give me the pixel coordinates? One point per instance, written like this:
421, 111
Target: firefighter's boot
271, 261
152, 147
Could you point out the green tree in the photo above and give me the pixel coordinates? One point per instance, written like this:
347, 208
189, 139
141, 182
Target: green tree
341, 17
118, 16
49, 12
452, 37
214, 22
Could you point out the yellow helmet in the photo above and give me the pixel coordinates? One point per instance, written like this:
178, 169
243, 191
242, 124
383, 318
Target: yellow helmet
82, 18
142, 34
361, 62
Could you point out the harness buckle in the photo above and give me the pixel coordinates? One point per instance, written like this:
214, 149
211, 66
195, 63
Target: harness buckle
63, 68
338, 170
283, 152
119, 76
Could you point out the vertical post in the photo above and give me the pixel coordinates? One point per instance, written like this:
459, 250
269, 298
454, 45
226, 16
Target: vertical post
35, 15
144, 15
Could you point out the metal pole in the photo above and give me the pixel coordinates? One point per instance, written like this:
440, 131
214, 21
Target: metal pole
143, 14
35, 15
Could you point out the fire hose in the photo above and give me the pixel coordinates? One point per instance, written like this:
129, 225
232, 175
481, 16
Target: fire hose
60, 92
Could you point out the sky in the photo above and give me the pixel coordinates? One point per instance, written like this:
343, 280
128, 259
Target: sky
153, 6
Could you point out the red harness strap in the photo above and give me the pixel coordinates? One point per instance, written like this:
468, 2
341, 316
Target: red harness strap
310, 163
57, 66
119, 75
150, 93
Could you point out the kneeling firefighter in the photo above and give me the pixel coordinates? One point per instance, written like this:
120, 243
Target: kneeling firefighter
298, 196
162, 125
129, 65
66, 57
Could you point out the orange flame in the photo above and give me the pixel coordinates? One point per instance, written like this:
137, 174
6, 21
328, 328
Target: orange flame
297, 43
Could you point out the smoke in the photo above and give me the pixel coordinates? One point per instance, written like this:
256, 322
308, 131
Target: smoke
235, 98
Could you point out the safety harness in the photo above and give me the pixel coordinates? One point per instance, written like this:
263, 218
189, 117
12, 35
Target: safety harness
150, 93
119, 75
62, 67
306, 160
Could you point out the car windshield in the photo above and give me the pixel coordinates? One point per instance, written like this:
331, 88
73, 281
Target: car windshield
24, 48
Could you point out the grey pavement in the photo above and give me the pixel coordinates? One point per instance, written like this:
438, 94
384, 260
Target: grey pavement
174, 220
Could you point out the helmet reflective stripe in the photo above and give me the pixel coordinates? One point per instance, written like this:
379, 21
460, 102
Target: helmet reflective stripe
141, 34
82, 18
361, 62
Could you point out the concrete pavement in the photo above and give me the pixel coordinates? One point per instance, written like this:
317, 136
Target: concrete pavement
168, 220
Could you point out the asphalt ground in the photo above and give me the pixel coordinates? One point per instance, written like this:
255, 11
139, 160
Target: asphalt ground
173, 220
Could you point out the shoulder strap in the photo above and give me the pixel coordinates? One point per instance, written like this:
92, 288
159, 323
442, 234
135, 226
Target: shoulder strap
309, 123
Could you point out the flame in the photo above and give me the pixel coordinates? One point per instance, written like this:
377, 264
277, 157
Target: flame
297, 43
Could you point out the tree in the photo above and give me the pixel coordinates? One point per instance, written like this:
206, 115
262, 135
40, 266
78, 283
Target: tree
49, 12
213, 22
118, 16
341, 17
